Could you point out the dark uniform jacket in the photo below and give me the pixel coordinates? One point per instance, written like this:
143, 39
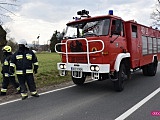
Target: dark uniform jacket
24, 61
5, 65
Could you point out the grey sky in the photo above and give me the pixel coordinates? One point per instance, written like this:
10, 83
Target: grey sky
43, 17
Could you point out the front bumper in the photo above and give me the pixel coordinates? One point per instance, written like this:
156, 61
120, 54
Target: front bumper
77, 69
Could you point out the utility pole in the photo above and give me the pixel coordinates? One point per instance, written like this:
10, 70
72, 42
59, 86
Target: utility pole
38, 38
38, 42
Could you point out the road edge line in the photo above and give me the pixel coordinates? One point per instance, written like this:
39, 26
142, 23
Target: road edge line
138, 105
45, 92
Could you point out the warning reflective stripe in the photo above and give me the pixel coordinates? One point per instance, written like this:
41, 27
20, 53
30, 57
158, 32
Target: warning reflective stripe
19, 56
12, 64
6, 74
6, 62
29, 71
3, 90
36, 63
18, 88
12, 75
24, 94
29, 56
33, 92
19, 72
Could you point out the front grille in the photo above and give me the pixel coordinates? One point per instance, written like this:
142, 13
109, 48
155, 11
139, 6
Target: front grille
78, 59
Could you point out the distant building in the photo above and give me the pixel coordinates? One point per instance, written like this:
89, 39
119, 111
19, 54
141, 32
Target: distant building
39, 47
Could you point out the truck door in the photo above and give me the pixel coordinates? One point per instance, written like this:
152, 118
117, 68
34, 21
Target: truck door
117, 39
136, 46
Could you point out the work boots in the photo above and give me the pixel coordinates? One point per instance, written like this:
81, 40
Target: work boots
24, 97
35, 95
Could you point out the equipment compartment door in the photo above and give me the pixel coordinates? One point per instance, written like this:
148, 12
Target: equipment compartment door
136, 46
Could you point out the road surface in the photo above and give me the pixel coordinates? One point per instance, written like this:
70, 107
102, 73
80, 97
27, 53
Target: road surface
93, 101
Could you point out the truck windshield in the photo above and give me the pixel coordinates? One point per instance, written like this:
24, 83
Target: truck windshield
86, 29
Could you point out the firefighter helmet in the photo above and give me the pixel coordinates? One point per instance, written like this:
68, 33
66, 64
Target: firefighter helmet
7, 49
23, 42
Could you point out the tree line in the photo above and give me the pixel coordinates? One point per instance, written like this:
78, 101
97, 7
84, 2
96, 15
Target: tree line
155, 15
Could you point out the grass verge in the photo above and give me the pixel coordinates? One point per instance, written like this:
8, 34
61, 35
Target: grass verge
48, 74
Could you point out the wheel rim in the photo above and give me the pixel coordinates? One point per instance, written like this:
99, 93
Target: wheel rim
123, 77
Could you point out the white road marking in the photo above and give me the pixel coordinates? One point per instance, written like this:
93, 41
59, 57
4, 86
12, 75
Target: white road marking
39, 94
45, 93
63, 88
9, 102
135, 107
57, 90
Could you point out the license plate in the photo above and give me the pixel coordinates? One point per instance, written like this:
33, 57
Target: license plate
76, 69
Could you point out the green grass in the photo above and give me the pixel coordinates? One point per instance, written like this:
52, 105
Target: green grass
47, 73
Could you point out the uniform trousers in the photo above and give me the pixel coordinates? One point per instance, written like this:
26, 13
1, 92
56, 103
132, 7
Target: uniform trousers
7, 80
26, 79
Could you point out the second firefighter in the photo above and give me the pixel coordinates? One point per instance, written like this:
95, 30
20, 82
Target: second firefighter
7, 78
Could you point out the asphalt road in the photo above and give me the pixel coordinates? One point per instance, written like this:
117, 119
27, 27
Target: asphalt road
93, 101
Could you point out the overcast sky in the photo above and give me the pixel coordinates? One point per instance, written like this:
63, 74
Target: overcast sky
43, 17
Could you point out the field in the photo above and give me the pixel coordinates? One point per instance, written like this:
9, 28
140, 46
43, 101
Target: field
47, 73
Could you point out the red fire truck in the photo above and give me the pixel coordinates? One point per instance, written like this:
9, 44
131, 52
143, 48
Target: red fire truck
107, 47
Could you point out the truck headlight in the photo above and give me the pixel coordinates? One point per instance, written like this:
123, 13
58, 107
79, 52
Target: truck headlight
97, 68
94, 68
62, 66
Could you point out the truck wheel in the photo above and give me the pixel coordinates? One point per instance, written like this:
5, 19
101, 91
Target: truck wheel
79, 81
121, 76
151, 69
145, 70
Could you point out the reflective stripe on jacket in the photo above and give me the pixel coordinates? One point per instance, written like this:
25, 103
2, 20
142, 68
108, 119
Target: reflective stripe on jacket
24, 62
6, 64
3, 90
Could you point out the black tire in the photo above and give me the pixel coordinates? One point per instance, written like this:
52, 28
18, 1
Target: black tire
79, 81
151, 69
145, 70
121, 76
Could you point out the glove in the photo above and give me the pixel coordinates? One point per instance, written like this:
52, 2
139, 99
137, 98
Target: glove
35, 71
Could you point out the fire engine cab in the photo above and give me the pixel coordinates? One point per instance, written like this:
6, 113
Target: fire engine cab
107, 47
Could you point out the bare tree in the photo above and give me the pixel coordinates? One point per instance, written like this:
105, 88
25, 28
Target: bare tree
5, 8
156, 14
13, 44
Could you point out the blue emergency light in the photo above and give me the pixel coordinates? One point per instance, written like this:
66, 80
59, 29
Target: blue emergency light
110, 12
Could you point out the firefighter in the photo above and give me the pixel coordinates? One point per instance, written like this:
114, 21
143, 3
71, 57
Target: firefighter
7, 78
26, 64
